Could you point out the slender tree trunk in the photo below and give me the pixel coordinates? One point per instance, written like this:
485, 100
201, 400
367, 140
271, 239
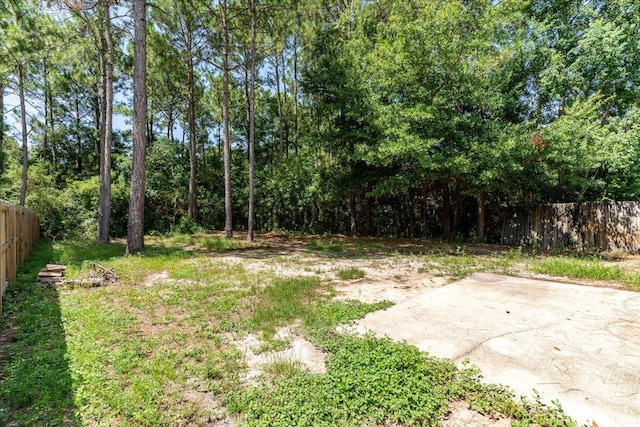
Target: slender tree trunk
45, 134
193, 209
295, 94
352, 212
135, 227
423, 213
368, 209
228, 208
104, 203
97, 111
456, 208
150, 124
54, 154
276, 63
446, 212
481, 215
252, 123
25, 146
48, 112
1, 127
285, 127
412, 216
78, 137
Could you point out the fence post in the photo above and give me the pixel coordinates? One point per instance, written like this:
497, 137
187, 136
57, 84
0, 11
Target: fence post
4, 249
11, 239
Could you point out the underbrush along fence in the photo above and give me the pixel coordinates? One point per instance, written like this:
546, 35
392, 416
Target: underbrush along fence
611, 226
19, 228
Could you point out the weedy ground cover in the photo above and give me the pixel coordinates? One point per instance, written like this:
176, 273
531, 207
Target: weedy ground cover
157, 349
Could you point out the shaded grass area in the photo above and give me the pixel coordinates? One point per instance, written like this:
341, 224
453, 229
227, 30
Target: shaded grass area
35, 380
137, 354
160, 353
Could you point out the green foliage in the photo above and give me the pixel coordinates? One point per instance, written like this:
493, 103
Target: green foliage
393, 119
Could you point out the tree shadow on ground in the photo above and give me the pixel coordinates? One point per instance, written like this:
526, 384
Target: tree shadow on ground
268, 245
35, 380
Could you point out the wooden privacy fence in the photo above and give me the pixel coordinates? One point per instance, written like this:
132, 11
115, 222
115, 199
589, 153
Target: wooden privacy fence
19, 228
604, 226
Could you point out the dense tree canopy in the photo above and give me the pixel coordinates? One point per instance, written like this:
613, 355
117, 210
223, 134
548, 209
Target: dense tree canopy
388, 117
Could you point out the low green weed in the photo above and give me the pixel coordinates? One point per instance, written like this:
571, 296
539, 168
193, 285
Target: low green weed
368, 382
350, 273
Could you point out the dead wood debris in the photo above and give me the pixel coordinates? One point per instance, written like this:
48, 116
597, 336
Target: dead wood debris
51, 274
99, 276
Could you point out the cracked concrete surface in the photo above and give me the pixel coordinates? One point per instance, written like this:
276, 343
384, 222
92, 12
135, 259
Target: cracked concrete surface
577, 344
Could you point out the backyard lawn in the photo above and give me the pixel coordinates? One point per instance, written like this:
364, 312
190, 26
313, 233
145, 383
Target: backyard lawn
200, 330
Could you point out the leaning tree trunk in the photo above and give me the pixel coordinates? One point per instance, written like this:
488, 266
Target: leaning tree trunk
104, 203
252, 123
135, 228
228, 208
25, 147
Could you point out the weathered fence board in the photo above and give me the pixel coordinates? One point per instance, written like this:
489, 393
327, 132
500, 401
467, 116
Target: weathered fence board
605, 226
19, 228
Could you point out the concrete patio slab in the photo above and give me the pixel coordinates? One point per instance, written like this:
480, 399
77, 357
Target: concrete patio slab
577, 344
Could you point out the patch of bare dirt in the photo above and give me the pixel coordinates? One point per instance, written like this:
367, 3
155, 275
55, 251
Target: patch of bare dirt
459, 415
371, 290
388, 278
155, 278
300, 351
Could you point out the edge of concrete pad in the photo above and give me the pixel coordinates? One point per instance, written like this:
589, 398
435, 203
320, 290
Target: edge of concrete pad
562, 339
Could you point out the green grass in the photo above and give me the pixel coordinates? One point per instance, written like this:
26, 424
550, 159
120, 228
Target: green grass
586, 268
350, 273
211, 243
283, 367
135, 353
274, 345
327, 247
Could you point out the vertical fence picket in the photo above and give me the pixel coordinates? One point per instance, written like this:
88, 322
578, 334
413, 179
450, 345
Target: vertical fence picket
19, 228
604, 226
